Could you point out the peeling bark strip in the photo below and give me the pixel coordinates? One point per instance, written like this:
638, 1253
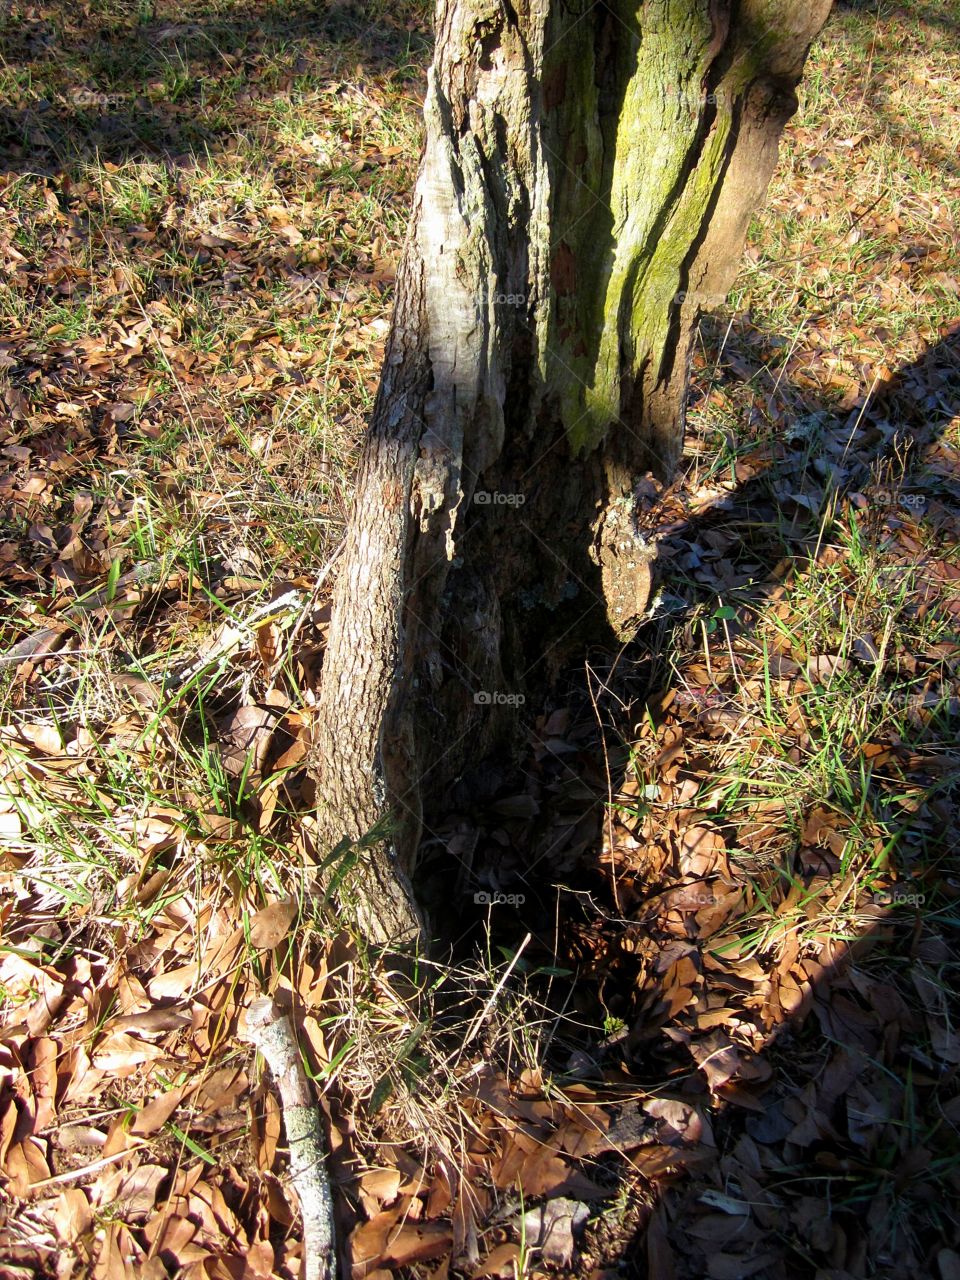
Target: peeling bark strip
588, 177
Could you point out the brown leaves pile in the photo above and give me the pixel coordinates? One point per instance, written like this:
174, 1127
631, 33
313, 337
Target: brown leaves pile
133, 1131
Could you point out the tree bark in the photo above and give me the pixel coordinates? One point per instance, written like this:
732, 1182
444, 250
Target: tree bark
587, 180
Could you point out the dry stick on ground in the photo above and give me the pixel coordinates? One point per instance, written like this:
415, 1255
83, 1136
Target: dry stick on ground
609, 807
269, 1030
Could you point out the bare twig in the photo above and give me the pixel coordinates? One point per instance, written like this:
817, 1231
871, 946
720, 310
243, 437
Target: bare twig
609, 805
74, 1175
481, 1016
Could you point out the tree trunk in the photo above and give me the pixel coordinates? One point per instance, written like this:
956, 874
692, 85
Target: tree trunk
588, 176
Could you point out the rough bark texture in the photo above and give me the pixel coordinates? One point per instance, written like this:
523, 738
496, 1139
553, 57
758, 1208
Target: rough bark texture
588, 176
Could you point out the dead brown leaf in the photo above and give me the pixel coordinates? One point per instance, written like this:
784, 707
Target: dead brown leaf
270, 926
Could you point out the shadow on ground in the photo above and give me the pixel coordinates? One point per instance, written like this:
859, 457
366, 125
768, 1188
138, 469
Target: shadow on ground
114, 86
803, 1049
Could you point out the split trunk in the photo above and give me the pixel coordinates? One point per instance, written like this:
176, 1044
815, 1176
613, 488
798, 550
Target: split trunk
588, 176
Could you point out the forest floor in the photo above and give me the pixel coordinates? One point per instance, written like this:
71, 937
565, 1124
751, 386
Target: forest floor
707, 1023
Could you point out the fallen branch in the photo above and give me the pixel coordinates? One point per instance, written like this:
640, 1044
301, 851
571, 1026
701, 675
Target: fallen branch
228, 638
270, 1032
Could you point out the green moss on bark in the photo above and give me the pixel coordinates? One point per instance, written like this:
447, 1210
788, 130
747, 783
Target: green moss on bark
640, 149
